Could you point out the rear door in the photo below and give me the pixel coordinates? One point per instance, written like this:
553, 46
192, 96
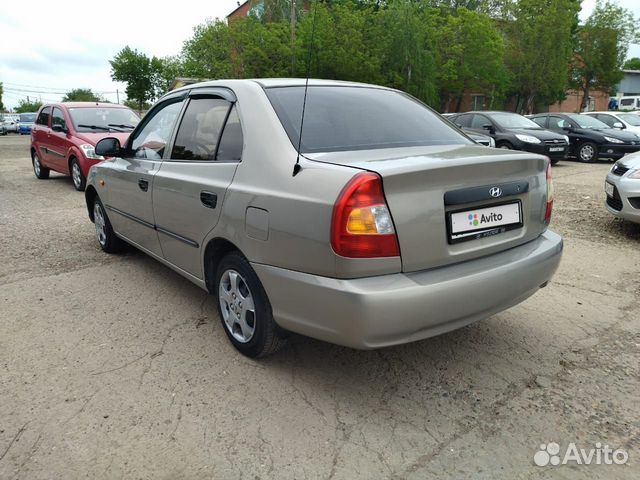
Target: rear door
190, 186
131, 177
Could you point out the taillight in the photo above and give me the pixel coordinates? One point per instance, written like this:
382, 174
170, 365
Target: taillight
361, 226
547, 213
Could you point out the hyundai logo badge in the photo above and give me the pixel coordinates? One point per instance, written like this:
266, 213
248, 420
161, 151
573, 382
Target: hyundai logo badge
495, 192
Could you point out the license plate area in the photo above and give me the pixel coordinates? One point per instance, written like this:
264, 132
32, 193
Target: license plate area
556, 149
608, 188
483, 221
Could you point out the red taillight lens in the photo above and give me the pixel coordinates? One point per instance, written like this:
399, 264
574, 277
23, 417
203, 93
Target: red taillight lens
361, 226
547, 213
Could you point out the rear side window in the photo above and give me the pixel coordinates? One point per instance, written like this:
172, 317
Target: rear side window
43, 117
230, 148
200, 129
463, 120
341, 118
58, 118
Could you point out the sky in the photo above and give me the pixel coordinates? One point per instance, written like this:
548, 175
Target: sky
48, 47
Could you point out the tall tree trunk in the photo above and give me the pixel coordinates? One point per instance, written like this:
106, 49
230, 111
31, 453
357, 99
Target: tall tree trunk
585, 97
459, 102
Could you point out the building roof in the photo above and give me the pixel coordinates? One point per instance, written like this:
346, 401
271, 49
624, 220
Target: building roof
240, 5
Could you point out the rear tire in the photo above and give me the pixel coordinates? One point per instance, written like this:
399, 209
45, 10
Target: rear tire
40, 172
108, 240
79, 180
588, 152
244, 308
505, 146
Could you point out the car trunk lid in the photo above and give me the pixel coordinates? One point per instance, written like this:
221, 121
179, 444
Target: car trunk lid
425, 186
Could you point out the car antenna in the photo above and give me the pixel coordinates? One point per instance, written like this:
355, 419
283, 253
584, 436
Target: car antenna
297, 167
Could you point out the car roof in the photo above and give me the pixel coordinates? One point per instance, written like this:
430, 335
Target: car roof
86, 105
279, 82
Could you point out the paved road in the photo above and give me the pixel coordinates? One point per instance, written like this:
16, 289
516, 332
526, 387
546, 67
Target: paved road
116, 367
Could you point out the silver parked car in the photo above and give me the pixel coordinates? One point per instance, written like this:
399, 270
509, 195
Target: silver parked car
389, 227
623, 188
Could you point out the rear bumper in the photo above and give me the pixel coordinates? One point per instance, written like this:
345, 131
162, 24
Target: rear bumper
393, 309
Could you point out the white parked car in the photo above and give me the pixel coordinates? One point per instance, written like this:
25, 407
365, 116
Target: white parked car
10, 122
623, 188
622, 120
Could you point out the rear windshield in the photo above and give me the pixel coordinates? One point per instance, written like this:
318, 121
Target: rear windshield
358, 118
96, 119
27, 117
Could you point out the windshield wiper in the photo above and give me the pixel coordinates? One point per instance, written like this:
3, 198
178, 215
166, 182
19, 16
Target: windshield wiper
95, 127
124, 125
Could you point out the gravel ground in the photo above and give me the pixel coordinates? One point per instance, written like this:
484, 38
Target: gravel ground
116, 367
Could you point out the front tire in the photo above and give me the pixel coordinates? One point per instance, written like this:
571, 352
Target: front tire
505, 146
79, 180
108, 240
244, 308
588, 152
40, 172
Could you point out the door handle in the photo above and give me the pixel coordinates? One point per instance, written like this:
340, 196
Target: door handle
143, 184
209, 199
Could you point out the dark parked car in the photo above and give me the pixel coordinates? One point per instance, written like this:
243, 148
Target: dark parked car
590, 138
64, 135
515, 132
481, 138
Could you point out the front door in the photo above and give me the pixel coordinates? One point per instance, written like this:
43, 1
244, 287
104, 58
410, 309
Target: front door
131, 178
58, 140
190, 186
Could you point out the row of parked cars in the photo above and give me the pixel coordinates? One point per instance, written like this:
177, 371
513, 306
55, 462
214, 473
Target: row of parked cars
586, 137
16, 123
321, 223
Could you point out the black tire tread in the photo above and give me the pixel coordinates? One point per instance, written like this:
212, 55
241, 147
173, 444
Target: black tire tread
114, 243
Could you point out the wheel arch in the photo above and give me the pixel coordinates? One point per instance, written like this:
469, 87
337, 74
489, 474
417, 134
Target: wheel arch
90, 195
215, 250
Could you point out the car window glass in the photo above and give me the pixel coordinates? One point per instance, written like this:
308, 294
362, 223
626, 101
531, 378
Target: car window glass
540, 121
152, 139
43, 118
463, 120
631, 118
479, 121
58, 118
557, 123
230, 147
200, 129
608, 119
345, 118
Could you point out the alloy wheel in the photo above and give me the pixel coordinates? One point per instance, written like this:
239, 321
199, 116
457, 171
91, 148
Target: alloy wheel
76, 174
36, 164
237, 306
586, 153
99, 221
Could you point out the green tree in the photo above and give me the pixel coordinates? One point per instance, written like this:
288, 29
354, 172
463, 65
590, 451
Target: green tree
80, 95
207, 54
602, 44
134, 68
539, 49
163, 72
632, 64
470, 50
26, 106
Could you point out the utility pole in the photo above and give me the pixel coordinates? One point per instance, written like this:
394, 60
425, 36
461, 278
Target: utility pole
118, 96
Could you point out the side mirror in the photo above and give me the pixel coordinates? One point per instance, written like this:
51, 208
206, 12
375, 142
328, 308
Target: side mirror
489, 127
108, 147
58, 128
619, 125
567, 128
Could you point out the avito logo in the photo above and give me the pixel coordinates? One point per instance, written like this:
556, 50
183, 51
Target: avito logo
492, 217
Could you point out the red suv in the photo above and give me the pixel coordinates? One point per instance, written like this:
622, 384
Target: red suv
64, 136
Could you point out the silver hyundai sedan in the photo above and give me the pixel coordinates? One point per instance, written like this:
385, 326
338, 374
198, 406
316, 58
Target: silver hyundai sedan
622, 187
368, 221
